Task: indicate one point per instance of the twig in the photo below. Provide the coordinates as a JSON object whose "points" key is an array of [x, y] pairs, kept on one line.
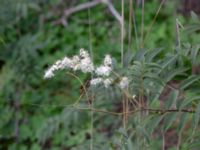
{"points": [[178, 41], [92, 99], [75, 105], [130, 24], [80, 7], [122, 33], [153, 21], [16, 124], [162, 111], [163, 141], [142, 25], [114, 11], [70, 11], [135, 29]]}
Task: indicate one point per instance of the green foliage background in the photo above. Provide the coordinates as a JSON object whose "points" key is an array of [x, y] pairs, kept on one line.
{"points": [[33, 111]]}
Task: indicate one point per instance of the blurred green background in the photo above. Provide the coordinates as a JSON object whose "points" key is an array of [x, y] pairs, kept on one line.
{"points": [[33, 115]]}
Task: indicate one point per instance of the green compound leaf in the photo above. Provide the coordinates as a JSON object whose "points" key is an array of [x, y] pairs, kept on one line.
{"points": [[168, 120], [189, 81]]}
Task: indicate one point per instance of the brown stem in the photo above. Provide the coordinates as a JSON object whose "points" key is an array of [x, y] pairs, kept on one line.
{"points": [[153, 21], [16, 124], [70, 11], [127, 109], [124, 111], [161, 111], [80, 7], [130, 24]]}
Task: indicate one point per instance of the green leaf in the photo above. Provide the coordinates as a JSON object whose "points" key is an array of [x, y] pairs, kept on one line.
{"points": [[140, 54], [167, 61], [123, 132], [197, 116], [152, 54], [172, 99], [195, 145], [173, 73], [35, 147], [144, 133], [193, 28], [153, 66], [128, 57], [153, 123], [194, 16], [168, 120], [182, 122], [26, 132], [194, 53], [129, 144], [188, 101], [154, 78], [2, 40], [187, 82]]}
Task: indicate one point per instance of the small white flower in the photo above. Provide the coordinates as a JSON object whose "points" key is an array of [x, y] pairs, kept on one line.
{"points": [[107, 82], [103, 70], [83, 53], [133, 96], [107, 60], [124, 82], [96, 81], [59, 64], [86, 65], [48, 74], [75, 63], [66, 63]]}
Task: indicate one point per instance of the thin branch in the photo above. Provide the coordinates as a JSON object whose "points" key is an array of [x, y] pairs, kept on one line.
{"points": [[178, 40], [114, 11], [153, 21], [80, 7], [163, 141], [135, 29], [82, 84], [130, 24], [70, 11], [122, 33], [76, 106], [161, 111], [142, 25]]}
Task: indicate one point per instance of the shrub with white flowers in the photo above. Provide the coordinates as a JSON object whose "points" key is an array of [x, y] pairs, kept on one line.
{"points": [[83, 62]]}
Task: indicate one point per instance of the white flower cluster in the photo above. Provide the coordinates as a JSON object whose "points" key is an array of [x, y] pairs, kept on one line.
{"points": [[124, 82], [99, 80], [84, 63], [81, 62], [103, 73], [105, 69]]}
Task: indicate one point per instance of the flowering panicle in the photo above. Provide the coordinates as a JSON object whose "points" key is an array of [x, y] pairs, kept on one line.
{"points": [[83, 62], [60, 64]]}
